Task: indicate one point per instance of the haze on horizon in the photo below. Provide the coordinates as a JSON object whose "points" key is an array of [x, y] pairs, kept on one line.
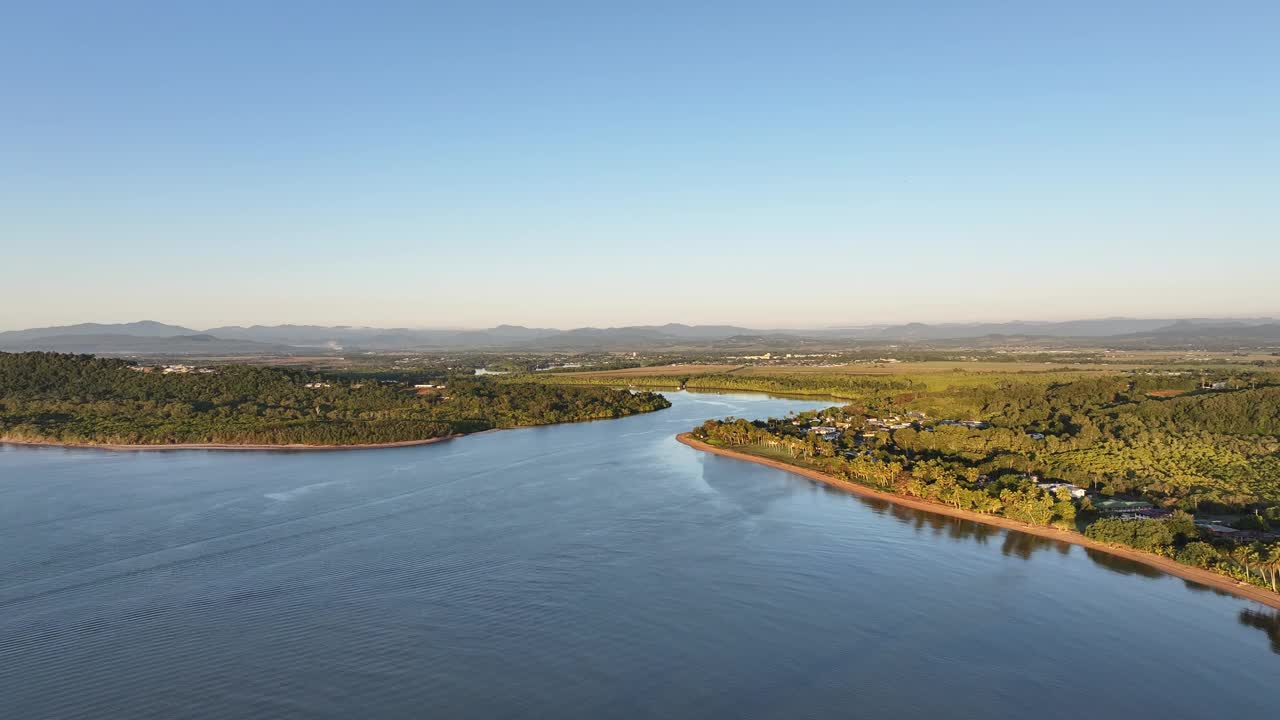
{"points": [[572, 164]]}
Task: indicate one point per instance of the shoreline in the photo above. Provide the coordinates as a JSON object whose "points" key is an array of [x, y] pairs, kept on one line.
{"points": [[1168, 566], [267, 447], [258, 447]]}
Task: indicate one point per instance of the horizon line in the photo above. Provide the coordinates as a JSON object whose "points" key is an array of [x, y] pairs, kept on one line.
{"points": [[829, 327]]}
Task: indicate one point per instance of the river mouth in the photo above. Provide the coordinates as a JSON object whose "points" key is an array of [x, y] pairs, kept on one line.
{"points": [[587, 570]]}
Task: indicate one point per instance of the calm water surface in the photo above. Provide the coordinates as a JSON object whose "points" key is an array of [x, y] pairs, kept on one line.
{"points": [[588, 571]]}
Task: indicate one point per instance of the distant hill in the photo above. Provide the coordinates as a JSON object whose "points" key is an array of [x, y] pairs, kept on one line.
{"points": [[149, 337], [119, 344], [1194, 334], [382, 338], [502, 336], [1105, 327], [144, 328]]}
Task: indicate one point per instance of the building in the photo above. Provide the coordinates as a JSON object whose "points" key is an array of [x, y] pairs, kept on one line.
{"points": [[1120, 507], [826, 432], [1052, 487], [971, 424]]}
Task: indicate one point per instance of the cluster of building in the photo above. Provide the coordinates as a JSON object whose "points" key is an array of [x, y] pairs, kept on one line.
{"points": [[826, 432], [829, 428], [172, 369], [893, 422]]}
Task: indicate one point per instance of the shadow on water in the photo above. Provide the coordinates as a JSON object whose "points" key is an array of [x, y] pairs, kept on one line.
{"points": [[1023, 545], [1015, 544], [1194, 586], [1266, 621], [1123, 566]]}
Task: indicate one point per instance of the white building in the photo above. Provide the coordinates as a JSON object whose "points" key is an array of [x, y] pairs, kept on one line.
{"points": [[1052, 487]]}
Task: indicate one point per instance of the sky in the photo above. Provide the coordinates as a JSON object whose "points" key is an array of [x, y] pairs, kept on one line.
{"points": [[560, 164]]}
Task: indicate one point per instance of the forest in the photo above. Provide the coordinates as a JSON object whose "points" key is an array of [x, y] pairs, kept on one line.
{"points": [[82, 399], [1203, 461]]}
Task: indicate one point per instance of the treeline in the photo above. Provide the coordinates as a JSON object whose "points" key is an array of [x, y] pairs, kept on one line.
{"points": [[51, 397]]}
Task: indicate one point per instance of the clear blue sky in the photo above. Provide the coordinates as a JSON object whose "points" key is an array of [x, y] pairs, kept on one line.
{"points": [[573, 163]]}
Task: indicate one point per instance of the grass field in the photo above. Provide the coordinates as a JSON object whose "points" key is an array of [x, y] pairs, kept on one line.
{"points": [[930, 366], [657, 370]]}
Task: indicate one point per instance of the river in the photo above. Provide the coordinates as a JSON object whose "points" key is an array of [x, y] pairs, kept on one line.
{"points": [[586, 571]]}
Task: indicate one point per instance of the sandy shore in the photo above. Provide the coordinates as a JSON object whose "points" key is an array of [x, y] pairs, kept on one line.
{"points": [[1194, 574], [227, 446]]}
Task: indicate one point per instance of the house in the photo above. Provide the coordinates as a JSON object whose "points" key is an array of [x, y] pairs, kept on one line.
{"points": [[1035, 435], [825, 432], [971, 424], [1052, 487], [317, 385]]}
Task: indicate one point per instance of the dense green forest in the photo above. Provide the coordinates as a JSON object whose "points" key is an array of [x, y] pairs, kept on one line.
{"points": [[50, 397], [1181, 451]]}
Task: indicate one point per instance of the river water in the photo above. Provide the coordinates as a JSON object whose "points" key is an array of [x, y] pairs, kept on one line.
{"points": [[587, 571]]}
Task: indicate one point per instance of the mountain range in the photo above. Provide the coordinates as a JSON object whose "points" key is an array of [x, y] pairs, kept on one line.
{"points": [[149, 337]]}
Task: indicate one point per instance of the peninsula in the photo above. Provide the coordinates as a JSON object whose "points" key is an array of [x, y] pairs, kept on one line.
{"points": [[81, 400]]}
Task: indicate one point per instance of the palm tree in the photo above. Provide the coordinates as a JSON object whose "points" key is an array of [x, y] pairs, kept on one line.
{"points": [[1270, 562], [1243, 556]]}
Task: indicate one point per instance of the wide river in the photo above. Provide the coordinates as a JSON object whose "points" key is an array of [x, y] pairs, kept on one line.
{"points": [[586, 571]]}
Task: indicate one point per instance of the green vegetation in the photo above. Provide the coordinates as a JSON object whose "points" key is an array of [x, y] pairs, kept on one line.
{"points": [[1197, 449], [48, 397], [1044, 448]]}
